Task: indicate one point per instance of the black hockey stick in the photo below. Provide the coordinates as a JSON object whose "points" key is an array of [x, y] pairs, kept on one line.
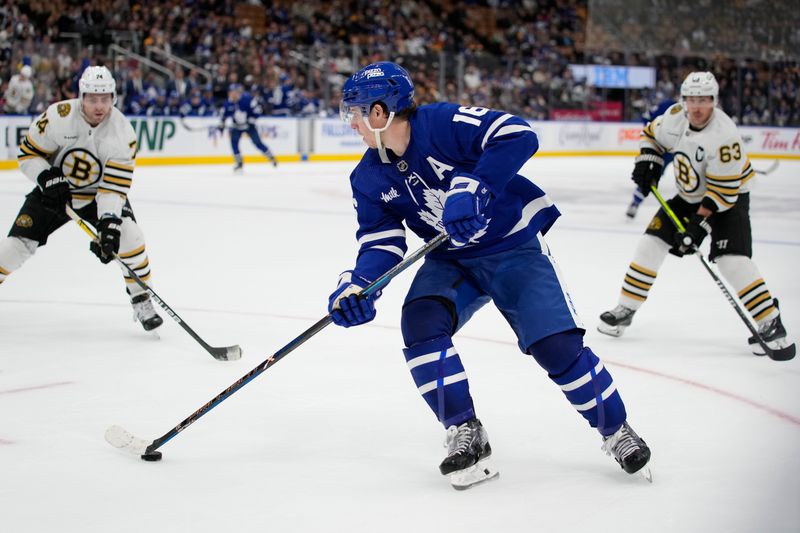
{"points": [[189, 127], [120, 438], [769, 169], [224, 353], [781, 354]]}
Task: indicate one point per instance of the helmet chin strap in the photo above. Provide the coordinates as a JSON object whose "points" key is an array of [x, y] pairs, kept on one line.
{"points": [[377, 133]]}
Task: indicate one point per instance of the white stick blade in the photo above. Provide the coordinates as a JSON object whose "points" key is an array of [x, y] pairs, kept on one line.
{"points": [[234, 353], [120, 438]]}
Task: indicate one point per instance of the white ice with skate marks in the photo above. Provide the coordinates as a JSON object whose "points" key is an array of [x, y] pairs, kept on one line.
{"points": [[338, 427]]}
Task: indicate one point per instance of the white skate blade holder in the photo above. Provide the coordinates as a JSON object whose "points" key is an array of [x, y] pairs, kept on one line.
{"points": [[645, 473], [474, 475], [614, 331]]}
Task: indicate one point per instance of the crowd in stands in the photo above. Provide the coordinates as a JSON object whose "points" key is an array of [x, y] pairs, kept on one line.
{"points": [[512, 55]]}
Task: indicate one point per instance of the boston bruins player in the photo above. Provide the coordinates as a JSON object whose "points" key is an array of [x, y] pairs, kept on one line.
{"points": [[80, 152], [712, 173]]}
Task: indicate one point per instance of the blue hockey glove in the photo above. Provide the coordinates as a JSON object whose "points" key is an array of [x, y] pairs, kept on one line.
{"points": [[464, 206], [346, 307], [688, 242]]}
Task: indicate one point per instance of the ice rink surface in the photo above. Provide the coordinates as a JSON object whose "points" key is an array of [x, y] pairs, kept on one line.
{"points": [[335, 438]]}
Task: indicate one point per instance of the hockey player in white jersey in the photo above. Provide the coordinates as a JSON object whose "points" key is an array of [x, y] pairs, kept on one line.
{"points": [[712, 174], [81, 152]]}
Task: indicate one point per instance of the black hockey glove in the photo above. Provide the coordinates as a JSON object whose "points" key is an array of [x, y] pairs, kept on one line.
{"points": [[688, 242], [55, 188], [647, 170], [107, 244]]}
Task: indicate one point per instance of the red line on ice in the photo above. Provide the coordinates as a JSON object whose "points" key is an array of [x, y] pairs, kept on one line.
{"points": [[36, 387], [780, 414]]}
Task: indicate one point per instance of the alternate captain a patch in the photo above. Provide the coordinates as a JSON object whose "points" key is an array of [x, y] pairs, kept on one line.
{"points": [[63, 109], [24, 221]]}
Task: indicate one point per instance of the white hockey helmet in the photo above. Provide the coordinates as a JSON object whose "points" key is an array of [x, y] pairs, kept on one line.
{"points": [[700, 84], [97, 80]]}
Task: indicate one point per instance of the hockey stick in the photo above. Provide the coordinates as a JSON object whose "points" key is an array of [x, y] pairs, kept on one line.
{"points": [[120, 438], [224, 353], [781, 354], [769, 169], [189, 127]]}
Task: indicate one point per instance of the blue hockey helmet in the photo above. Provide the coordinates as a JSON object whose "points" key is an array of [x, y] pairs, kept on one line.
{"points": [[385, 82]]}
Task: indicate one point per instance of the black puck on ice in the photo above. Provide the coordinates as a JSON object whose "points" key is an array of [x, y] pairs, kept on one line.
{"points": [[152, 456]]}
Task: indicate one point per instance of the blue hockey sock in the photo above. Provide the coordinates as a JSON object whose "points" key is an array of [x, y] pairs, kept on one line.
{"points": [[591, 390], [441, 380]]}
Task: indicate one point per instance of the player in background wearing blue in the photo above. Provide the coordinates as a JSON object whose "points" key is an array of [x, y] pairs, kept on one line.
{"points": [[444, 167], [648, 116], [243, 110]]}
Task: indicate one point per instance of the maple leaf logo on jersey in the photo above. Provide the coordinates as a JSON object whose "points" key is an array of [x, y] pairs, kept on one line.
{"points": [[434, 200]]}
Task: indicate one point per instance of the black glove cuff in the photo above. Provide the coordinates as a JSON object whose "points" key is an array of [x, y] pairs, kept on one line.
{"points": [[709, 204]]}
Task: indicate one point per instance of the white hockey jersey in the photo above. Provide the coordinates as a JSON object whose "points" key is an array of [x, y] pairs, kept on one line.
{"points": [[18, 95], [97, 161], [710, 163]]}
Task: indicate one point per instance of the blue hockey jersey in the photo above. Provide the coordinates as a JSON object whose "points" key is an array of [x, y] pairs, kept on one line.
{"points": [[446, 140], [244, 112]]}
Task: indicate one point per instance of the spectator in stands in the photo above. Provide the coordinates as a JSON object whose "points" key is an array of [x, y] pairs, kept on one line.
{"points": [[19, 94]]}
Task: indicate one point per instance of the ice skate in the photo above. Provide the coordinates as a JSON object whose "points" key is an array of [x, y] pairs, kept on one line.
{"points": [[615, 321], [144, 312], [274, 161], [774, 335], [630, 451], [632, 209], [238, 168], [468, 451]]}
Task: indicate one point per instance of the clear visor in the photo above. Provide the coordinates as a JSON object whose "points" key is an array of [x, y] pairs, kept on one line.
{"points": [[348, 112]]}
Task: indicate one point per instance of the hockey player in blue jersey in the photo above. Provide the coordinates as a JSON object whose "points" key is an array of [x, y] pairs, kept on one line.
{"points": [[445, 167], [243, 111], [649, 116]]}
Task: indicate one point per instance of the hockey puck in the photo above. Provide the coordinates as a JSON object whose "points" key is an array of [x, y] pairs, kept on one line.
{"points": [[153, 456]]}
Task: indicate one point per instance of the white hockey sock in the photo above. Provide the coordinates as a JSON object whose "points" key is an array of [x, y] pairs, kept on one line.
{"points": [[132, 252], [14, 251], [641, 274], [743, 275]]}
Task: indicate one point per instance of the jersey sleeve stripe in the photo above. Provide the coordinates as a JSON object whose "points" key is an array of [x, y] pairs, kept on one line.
{"points": [[119, 166], [120, 175], [36, 147], [391, 249], [496, 124], [370, 237], [32, 148], [132, 253], [125, 182], [530, 211], [512, 128]]}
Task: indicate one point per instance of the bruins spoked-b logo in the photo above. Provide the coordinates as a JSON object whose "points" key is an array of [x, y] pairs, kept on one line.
{"points": [[82, 168], [685, 174]]}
